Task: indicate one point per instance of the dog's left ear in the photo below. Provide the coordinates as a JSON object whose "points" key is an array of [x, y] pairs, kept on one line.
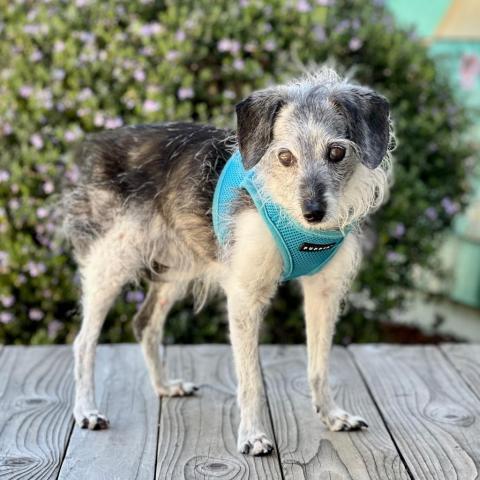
{"points": [[368, 120], [255, 118]]}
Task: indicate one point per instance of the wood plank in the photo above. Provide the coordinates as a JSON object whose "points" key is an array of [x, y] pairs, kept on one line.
{"points": [[127, 450], [307, 449], [428, 408], [466, 359], [36, 390], [197, 436]]}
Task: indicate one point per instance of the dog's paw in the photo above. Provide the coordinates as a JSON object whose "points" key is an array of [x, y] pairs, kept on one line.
{"points": [[339, 420], [176, 388], [92, 420], [254, 444]]}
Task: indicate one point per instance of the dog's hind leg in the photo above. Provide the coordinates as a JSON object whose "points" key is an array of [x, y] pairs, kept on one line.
{"points": [[112, 261], [148, 327], [322, 296]]}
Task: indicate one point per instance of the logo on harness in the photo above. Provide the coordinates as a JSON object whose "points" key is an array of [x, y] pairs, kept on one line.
{"points": [[315, 247]]}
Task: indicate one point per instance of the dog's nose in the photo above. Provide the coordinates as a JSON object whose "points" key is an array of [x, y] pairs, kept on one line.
{"points": [[314, 211]]}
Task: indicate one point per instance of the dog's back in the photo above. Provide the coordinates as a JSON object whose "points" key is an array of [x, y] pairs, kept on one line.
{"points": [[165, 169]]}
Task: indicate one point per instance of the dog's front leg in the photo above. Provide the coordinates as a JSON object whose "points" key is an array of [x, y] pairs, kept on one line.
{"points": [[322, 296], [245, 316], [252, 281]]}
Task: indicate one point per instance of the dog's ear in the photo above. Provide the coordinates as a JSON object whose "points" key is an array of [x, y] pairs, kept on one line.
{"points": [[255, 118], [368, 121]]}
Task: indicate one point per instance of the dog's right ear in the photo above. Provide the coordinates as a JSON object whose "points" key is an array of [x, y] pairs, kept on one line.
{"points": [[255, 118]]}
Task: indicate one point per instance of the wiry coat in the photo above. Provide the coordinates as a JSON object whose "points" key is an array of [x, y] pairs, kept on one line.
{"points": [[143, 207]]}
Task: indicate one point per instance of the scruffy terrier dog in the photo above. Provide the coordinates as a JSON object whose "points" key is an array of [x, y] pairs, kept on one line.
{"points": [[317, 154]]}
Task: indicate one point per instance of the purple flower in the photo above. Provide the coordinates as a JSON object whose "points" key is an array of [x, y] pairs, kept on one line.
{"points": [[58, 74], [324, 3], [42, 212], [34, 29], [229, 94], [319, 33], [36, 268], [139, 75], [342, 26], [54, 327], [35, 314], [150, 29], [399, 230], [303, 6], [25, 91], [6, 317], [394, 257], [7, 128], [451, 208], [36, 56], [238, 64], [99, 119], [48, 187], [355, 44], [85, 94], [14, 204], [250, 47], [71, 135], [180, 36], [113, 122], [172, 55], [129, 103], [184, 93], [151, 106], [135, 296], [58, 46], [269, 45], [37, 141], [7, 300], [147, 51], [228, 45], [86, 37], [4, 175], [431, 213]]}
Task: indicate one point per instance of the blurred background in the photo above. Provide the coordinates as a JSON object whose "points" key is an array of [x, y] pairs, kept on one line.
{"points": [[69, 68]]}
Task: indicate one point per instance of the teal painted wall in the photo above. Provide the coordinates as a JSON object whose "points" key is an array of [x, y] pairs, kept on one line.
{"points": [[424, 15]]}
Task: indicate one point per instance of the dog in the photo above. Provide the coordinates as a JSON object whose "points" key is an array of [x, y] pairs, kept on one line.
{"points": [[320, 149]]}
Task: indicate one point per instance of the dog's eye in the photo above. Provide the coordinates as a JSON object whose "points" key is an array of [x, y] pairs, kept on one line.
{"points": [[286, 158], [336, 154]]}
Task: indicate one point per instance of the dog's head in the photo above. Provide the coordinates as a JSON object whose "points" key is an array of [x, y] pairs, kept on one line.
{"points": [[320, 146]]}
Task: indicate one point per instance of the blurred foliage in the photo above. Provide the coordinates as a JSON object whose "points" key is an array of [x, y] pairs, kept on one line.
{"points": [[68, 68]]}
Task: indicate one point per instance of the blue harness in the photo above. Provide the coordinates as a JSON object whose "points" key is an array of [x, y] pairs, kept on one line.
{"points": [[304, 251]]}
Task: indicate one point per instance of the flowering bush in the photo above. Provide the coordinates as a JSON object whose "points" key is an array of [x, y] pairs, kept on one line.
{"points": [[69, 68]]}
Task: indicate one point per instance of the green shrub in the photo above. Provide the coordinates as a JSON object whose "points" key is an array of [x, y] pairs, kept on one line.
{"points": [[68, 68]]}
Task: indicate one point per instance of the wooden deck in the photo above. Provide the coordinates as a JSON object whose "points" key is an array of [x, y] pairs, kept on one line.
{"points": [[422, 405]]}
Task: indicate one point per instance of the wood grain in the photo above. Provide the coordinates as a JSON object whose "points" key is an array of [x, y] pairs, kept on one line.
{"points": [[36, 388], [127, 450], [198, 434], [466, 359], [307, 449], [428, 408]]}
